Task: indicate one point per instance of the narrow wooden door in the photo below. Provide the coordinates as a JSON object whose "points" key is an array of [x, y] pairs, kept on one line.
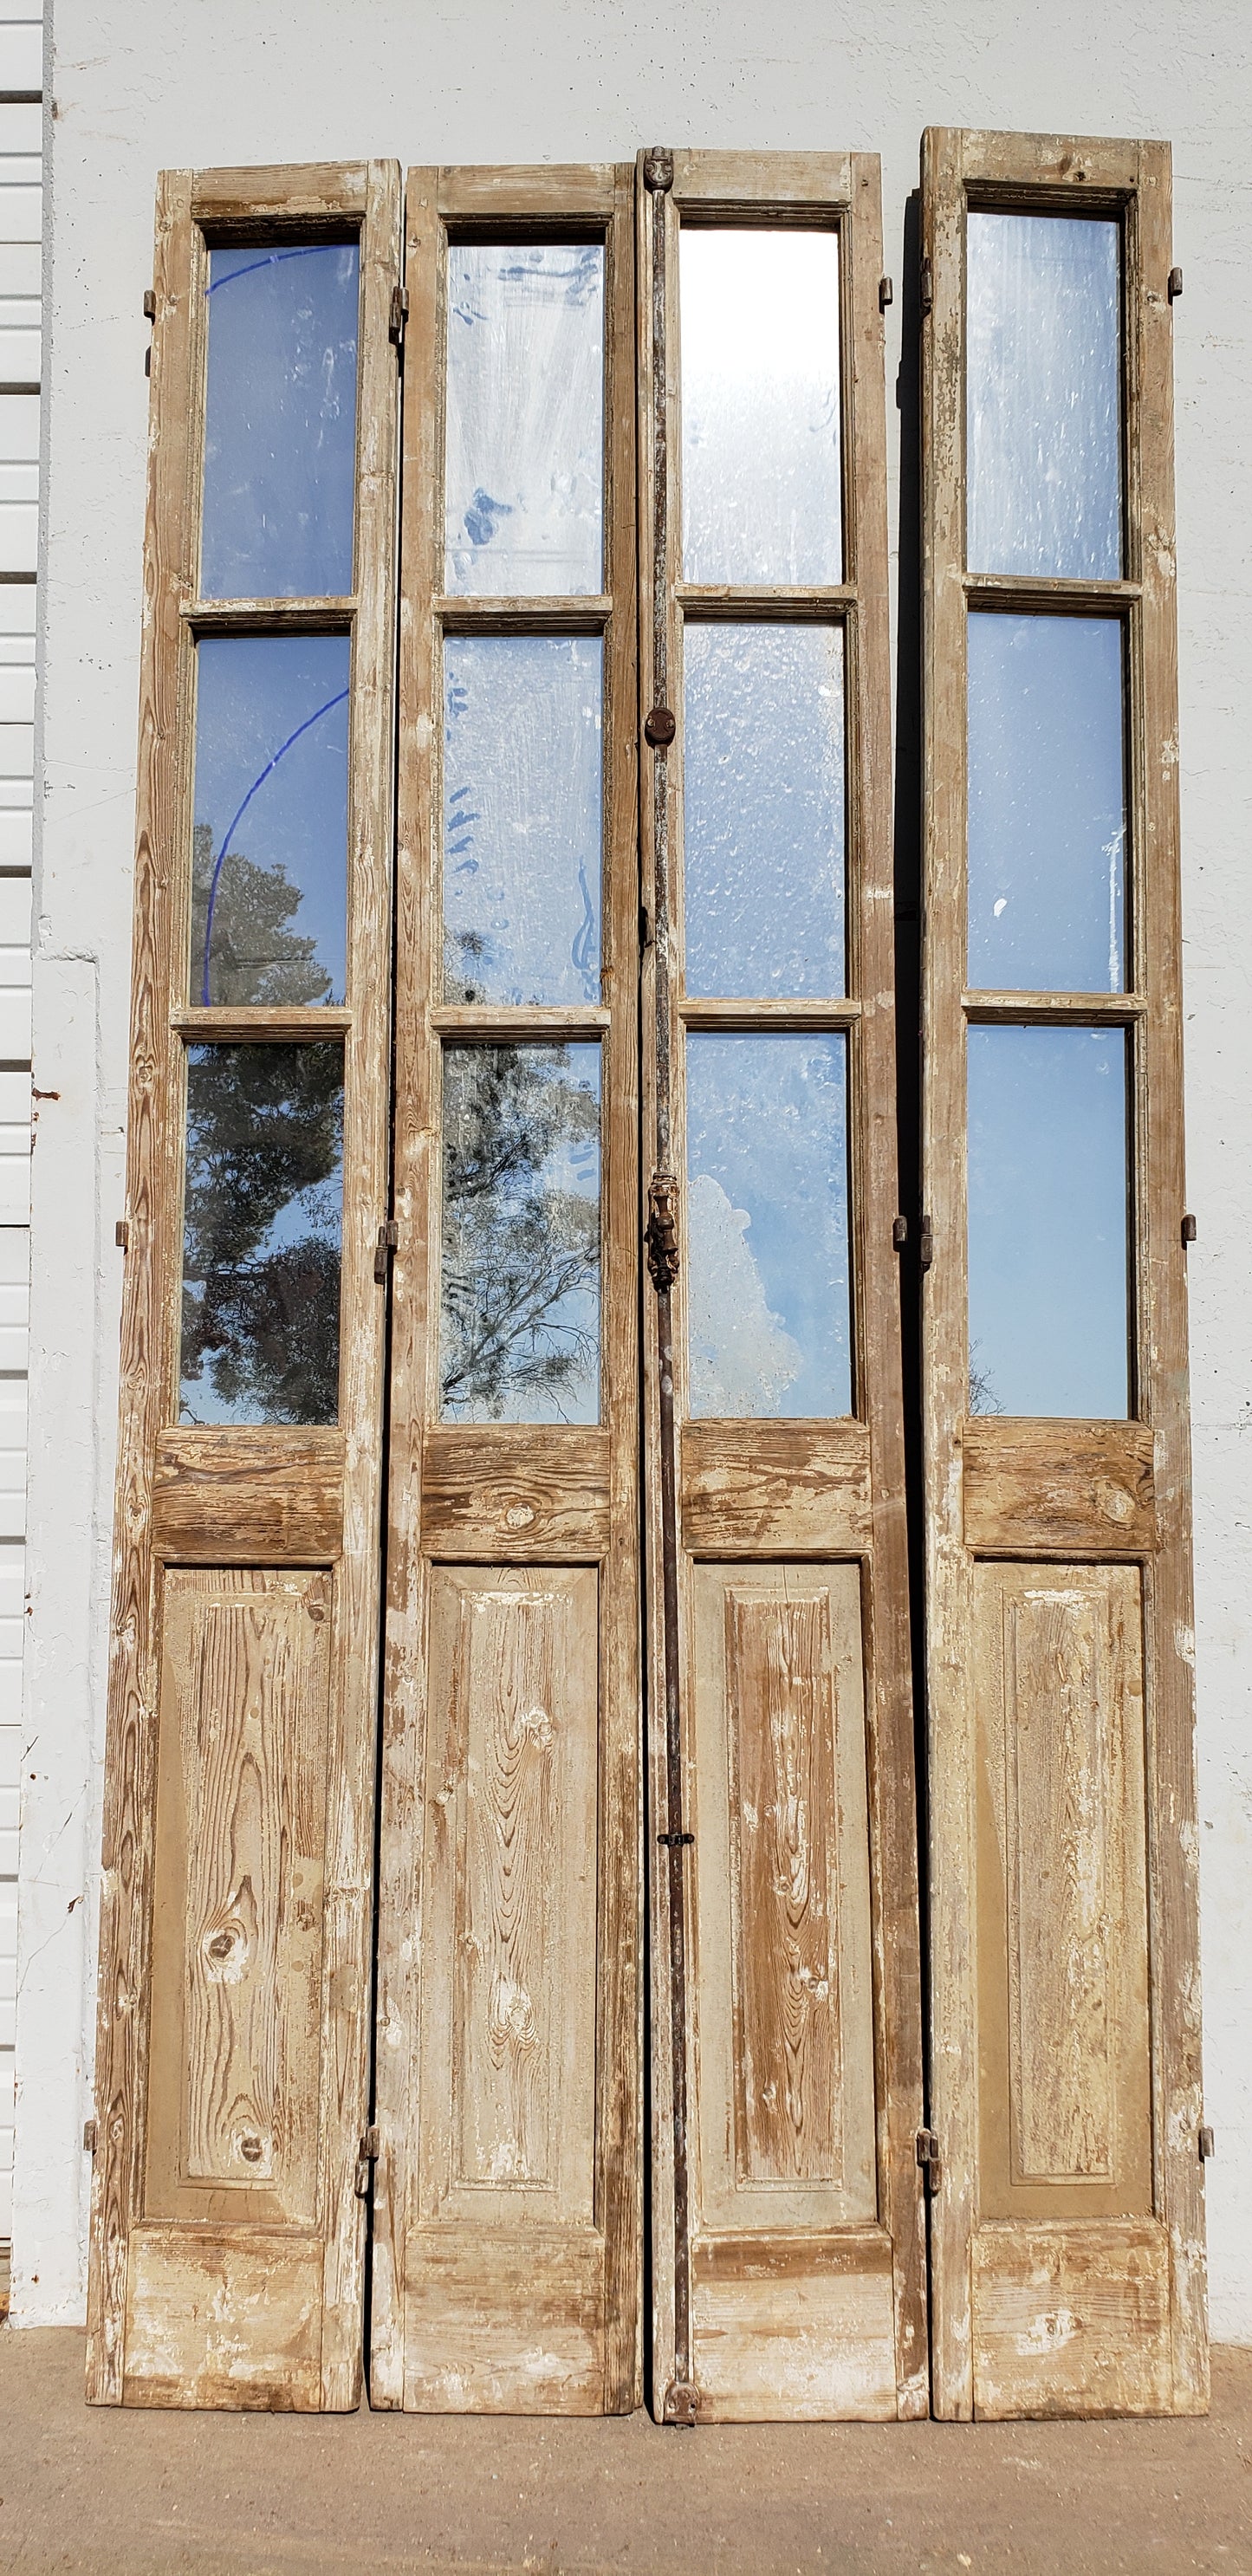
{"points": [[227, 2236], [509, 2179], [788, 2241], [1067, 2230]]}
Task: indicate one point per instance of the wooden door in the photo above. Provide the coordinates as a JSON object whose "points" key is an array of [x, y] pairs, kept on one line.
{"points": [[1067, 2229], [227, 2237], [509, 2174], [788, 2238]]}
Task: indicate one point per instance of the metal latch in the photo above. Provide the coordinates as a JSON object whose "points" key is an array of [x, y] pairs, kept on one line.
{"points": [[674, 1841], [368, 2154], [388, 1238], [928, 2158], [661, 1233], [399, 313]]}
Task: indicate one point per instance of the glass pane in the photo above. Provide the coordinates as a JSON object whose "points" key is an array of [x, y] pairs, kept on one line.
{"points": [[520, 1330], [261, 1229], [1048, 1329], [521, 863], [769, 1325], [524, 477], [762, 492], [270, 848], [1043, 395], [1047, 805], [280, 422], [763, 810]]}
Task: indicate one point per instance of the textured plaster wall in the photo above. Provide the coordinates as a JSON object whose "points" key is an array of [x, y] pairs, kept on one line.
{"points": [[142, 83]]}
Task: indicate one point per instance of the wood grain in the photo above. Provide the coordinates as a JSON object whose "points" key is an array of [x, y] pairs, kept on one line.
{"points": [[765, 1487], [237, 1948], [240, 1497], [1059, 1488], [1072, 2320], [488, 1493]]}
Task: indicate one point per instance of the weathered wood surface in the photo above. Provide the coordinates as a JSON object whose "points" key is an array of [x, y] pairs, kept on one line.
{"points": [[489, 1492], [1058, 1488], [1100, 1493], [230, 1500], [246, 1498], [1072, 2320], [766, 1487], [225, 2316]]}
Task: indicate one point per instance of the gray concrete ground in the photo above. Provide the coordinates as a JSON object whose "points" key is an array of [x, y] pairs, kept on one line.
{"points": [[136, 2494]]}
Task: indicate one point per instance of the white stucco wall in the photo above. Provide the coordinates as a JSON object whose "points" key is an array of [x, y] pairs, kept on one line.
{"points": [[141, 83]]}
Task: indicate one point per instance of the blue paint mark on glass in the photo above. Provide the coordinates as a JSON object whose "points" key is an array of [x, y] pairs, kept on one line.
{"points": [[1048, 1232], [280, 423], [1047, 805], [768, 1303], [1043, 395], [763, 830], [269, 860], [522, 818], [524, 464]]}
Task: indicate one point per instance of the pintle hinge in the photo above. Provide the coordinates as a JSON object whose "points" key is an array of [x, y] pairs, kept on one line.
{"points": [[928, 2157], [658, 169], [399, 314], [388, 1238]]}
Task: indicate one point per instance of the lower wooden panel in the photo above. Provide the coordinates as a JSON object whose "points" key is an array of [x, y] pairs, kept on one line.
{"points": [[225, 2317], [505, 2267], [1072, 2320], [235, 2066], [794, 2330]]}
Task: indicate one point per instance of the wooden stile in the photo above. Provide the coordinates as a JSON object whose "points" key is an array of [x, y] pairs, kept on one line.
{"points": [[1067, 2232], [227, 2241]]}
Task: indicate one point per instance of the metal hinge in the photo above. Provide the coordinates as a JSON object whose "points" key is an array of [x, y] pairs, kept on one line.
{"points": [[368, 2154], [928, 2158], [1188, 1229], [926, 287], [1174, 285], [121, 1234], [388, 1238], [886, 293], [90, 2137], [149, 304], [899, 1233], [1205, 2143], [399, 313], [926, 1245], [672, 1841]]}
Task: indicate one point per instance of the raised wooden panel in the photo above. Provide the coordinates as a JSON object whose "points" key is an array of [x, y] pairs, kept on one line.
{"points": [[248, 1497], [237, 1935], [798, 1488], [506, 2320], [1072, 2320], [782, 1939], [1059, 1487], [1064, 2069], [508, 2059], [489, 1492]]}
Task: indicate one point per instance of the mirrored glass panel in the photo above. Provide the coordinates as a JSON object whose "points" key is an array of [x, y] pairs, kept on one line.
{"points": [[769, 1319], [761, 477], [270, 846], [520, 1323], [1047, 805], [1048, 1250], [524, 472], [763, 828], [261, 1232], [522, 833], [1043, 395], [280, 421]]}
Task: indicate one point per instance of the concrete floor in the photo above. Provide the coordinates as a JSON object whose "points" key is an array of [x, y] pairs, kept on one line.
{"points": [[136, 2494]]}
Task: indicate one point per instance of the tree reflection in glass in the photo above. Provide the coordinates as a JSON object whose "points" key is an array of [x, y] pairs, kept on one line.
{"points": [[520, 1329], [261, 1234]]}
